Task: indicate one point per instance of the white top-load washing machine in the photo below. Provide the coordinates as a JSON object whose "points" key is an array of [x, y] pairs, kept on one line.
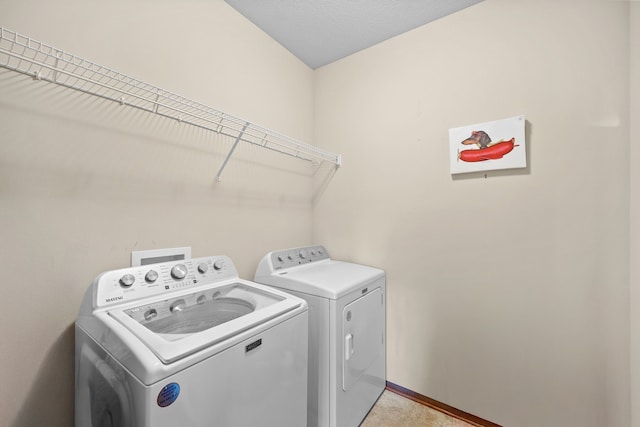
{"points": [[188, 343], [346, 330]]}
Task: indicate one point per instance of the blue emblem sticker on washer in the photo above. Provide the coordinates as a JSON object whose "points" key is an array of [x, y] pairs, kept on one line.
{"points": [[168, 395]]}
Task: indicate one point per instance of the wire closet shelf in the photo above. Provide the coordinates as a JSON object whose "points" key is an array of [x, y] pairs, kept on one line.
{"points": [[44, 62]]}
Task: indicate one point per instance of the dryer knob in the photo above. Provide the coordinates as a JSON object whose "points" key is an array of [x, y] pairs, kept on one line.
{"points": [[218, 265], [203, 267], [179, 271], [127, 280], [303, 254]]}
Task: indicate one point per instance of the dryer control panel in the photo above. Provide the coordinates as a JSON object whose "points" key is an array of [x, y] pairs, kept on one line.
{"points": [[132, 283], [297, 256]]}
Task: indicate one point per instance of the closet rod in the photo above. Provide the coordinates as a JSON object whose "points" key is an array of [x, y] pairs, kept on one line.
{"points": [[25, 55]]}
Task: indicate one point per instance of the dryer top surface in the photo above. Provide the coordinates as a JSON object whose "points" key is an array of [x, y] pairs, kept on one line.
{"points": [[328, 279]]}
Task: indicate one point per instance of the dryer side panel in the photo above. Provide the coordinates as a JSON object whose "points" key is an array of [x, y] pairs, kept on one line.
{"points": [[363, 335], [360, 359]]}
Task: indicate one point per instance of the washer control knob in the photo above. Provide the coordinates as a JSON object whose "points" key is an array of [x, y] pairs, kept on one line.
{"points": [[127, 280], [280, 258], [303, 254], [218, 265], [151, 276], [179, 271], [290, 257], [203, 267]]}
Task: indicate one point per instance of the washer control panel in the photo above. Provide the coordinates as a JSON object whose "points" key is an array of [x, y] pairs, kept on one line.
{"points": [[132, 283], [297, 256]]}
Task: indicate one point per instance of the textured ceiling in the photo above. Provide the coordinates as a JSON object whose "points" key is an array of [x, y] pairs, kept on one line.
{"points": [[322, 31]]}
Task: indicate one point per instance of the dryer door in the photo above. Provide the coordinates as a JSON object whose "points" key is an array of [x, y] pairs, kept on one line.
{"points": [[363, 335]]}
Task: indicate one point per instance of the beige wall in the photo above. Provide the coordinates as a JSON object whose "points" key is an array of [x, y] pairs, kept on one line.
{"points": [[508, 296], [83, 182], [634, 160]]}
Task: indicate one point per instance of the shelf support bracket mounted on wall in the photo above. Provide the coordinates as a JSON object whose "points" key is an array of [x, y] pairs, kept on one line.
{"points": [[235, 144]]}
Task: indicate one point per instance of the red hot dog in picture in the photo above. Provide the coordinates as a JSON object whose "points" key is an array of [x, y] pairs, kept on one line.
{"points": [[491, 152]]}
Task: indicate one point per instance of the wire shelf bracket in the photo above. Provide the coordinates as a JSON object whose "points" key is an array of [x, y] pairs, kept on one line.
{"points": [[41, 61]]}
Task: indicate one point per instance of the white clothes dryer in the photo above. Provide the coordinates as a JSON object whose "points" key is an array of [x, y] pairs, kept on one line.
{"points": [[347, 358], [188, 343]]}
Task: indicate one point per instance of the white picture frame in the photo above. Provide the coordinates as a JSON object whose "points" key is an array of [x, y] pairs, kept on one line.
{"points": [[488, 146]]}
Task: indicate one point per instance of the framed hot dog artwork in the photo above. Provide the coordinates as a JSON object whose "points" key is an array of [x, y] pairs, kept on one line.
{"points": [[488, 146]]}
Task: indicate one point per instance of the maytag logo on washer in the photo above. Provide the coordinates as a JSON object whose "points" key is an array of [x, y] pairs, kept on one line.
{"points": [[114, 299], [253, 345]]}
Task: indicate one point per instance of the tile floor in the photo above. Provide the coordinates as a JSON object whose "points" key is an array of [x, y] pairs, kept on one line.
{"points": [[393, 410]]}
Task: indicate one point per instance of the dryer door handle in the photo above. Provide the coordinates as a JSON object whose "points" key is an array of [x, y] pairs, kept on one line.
{"points": [[348, 346]]}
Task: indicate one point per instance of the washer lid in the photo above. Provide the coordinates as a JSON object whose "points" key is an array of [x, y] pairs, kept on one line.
{"points": [[176, 327], [329, 279]]}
